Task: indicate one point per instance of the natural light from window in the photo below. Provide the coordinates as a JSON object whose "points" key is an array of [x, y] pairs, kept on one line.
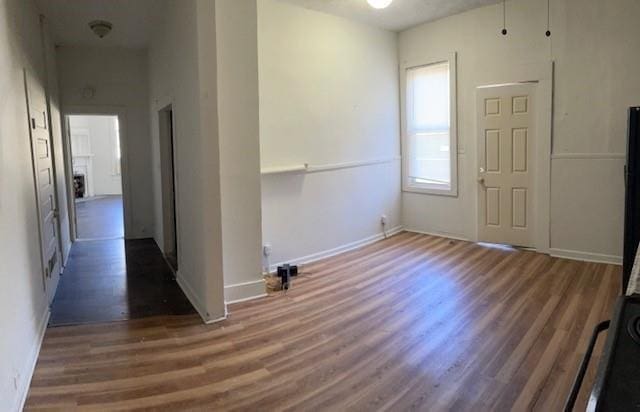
{"points": [[428, 126], [118, 155]]}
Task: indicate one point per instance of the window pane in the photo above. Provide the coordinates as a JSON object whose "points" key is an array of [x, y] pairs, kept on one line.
{"points": [[430, 159], [428, 121]]}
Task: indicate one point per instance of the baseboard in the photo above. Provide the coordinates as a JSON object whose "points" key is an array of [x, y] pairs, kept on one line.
{"points": [[439, 234], [561, 253], [337, 250], [32, 361], [199, 306], [241, 292], [586, 256]]}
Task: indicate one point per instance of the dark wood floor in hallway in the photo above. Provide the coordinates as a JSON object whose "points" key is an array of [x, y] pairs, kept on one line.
{"points": [[100, 217], [116, 279], [411, 322]]}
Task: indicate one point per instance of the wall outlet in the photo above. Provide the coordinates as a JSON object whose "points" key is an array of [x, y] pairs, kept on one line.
{"points": [[266, 249], [383, 220]]}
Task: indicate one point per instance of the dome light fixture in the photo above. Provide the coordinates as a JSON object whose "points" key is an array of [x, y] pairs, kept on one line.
{"points": [[379, 4], [100, 27]]}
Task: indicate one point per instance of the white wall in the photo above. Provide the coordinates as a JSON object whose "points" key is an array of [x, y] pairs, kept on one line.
{"points": [[23, 302], [102, 138], [237, 59], [595, 48], [182, 64], [328, 96], [120, 80]]}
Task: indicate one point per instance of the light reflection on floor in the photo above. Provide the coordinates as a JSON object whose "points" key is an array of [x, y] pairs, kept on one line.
{"points": [[499, 246]]}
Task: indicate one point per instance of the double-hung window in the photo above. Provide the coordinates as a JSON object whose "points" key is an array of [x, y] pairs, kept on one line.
{"points": [[429, 135]]}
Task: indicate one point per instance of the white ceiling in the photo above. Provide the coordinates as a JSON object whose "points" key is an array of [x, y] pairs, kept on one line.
{"points": [[132, 20], [400, 15]]}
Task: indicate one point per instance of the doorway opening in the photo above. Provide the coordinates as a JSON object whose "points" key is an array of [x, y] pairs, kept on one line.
{"points": [[168, 180], [97, 176]]}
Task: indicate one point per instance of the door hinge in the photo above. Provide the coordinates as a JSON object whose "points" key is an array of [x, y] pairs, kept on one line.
{"points": [[33, 123]]}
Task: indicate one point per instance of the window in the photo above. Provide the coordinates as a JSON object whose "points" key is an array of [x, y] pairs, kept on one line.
{"points": [[429, 147]]}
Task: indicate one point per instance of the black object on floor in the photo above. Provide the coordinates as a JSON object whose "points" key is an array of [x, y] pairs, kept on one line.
{"points": [[116, 279]]}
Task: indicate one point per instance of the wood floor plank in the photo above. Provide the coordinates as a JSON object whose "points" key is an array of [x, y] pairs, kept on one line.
{"points": [[413, 322]]}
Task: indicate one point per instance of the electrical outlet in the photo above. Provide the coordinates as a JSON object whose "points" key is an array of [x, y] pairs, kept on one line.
{"points": [[266, 249], [383, 220]]}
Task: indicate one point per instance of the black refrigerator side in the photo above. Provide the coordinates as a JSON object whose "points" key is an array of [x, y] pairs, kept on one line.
{"points": [[632, 196]]}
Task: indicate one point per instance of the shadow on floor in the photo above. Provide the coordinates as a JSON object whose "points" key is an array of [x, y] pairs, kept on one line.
{"points": [[116, 279]]}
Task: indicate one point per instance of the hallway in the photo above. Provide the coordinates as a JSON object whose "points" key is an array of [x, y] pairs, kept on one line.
{"points": [[116, 279], [100, 217]]}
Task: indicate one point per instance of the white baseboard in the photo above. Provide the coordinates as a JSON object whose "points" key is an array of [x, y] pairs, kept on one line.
{"points": [[586, 256], [30, 368], [241, 292], [337, 250], [561, 253], [440, 234], [199, 306]]}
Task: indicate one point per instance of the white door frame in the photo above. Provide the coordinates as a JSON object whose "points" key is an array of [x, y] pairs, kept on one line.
{"points": [[91, 110], [159, 105], [542, 75]]}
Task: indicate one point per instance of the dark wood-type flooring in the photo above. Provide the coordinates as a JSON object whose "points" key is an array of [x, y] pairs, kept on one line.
{"points": [[110, 280], [100, 217], [414, 322]]}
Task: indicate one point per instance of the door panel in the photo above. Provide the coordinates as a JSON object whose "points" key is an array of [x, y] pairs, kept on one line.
{"points": [[492, 149], [505, 179], [44, 182], [493, 206]]}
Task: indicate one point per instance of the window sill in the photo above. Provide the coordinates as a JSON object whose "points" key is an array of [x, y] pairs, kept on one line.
{"points": [[430, 191]]}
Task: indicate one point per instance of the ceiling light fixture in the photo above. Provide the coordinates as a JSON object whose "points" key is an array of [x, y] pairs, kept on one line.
{"points": [[379, 4], [100, 27]]}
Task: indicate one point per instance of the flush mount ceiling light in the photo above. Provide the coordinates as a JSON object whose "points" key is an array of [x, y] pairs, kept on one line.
{"points": [[100, 27], [379, 4]]}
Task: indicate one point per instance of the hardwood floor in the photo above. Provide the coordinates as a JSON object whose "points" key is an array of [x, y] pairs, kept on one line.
{"points": [[413, 322], [116, 279], [100, 217]]}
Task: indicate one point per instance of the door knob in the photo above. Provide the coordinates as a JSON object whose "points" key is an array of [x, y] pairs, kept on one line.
{"points": [[481, 180]]}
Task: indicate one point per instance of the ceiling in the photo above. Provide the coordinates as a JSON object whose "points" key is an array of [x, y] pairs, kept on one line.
{"points": [[400, 15], [133, 21]]}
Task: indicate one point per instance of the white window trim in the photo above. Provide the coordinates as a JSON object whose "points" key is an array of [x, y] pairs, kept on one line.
{"points": [[407, 186]]}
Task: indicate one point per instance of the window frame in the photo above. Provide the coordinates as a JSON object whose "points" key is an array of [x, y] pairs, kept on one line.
{"points": [[426, 188]]}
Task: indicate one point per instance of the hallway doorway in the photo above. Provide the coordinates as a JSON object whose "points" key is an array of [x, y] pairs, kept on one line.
{"points": [[168, 175], [96, 162]]}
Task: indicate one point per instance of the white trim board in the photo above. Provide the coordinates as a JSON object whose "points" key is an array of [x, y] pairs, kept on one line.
{"points": [[241, 292], [555, 252], [588, 156], [440, 234], [337, 250], [23, 389], [586, 256], [310, 168]]}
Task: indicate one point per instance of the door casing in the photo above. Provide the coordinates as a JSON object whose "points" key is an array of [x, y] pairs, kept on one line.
{"points": [[503, 175], [90, 110], [541, 74]]}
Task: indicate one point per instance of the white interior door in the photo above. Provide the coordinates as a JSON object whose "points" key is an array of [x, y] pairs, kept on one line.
{"points": [[505, 158], [44, 179]]}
